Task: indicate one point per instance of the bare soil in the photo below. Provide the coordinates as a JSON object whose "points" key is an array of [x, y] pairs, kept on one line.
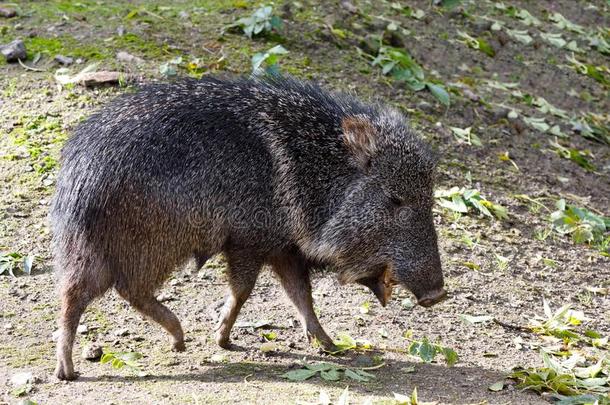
{"points": [[37, 115]]}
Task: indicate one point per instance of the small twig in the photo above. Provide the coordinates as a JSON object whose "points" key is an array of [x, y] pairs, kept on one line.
{"points": [[372, 367], [581, 200], [249, 383], [532, 200], [152, 14], [510, 326], [28, 67]]}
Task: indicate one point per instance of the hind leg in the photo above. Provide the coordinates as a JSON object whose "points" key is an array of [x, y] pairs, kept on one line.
{"points": [[294, 277], [242, 272], [146, 303], [75, 296]]}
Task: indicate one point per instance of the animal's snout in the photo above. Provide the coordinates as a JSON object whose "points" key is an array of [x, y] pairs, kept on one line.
{"points": [[433, 298]]}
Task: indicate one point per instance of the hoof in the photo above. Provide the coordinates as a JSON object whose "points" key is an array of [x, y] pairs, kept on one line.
{"points": [[329, 348], [322, 341], [178, 346], [62, 374], [223, 341]]}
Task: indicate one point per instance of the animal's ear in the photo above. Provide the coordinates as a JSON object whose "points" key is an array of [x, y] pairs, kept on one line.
{"points": [[360, 138]]}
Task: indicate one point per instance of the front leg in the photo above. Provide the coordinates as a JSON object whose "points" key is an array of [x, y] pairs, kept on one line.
{"points": [[293, 273]]}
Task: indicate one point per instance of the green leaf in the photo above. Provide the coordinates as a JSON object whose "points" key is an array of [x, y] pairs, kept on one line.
{"points": [[449, 4], [439, 93], [473, 320], [345, 342], [451, 357], [130, 356], [497, 386], [537, 123], [331, 375], [456, 204], [276, 22], [426, 351], [582, 235], [319, 366], [554, 39], [117, 363], [520, 36], [486, 48], [358, 375], [301, 374], [269, 336]]}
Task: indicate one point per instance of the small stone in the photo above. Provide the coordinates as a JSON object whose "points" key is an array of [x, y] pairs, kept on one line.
{"points": [[363, 361], [64, 60], [184, 15], [55, 335], [92, 352], [14, 51], [165, 296], [21, 379], [121, 332], [92, 79], [82, 329], [470, 95], [349, 6], [120, 31], [7, 12], [8, 326], [129, 58], [503, 38]]}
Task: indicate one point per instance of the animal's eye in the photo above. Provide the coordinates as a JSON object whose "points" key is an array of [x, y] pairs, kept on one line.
{"points": [[396, 202]]}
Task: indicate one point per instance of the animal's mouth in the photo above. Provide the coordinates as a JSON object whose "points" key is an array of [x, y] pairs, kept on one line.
{"points": [[433, 298], [381, 285]]}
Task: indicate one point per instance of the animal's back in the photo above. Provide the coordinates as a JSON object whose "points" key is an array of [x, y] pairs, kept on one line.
{"points": [[181, 149]]}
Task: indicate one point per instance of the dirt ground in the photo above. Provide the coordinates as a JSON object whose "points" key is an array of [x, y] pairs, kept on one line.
{"points": [[324, 43]]}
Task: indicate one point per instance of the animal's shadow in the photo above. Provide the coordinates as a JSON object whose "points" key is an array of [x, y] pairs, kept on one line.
{"points": [[434, 382]]}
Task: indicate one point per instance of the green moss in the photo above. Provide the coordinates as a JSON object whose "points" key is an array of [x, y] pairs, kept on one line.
{"points": [[31, 355], [131, 42], [65, 45]]}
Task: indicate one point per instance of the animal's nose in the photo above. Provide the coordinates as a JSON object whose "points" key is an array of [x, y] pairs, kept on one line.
{"points": [[433, 298]]}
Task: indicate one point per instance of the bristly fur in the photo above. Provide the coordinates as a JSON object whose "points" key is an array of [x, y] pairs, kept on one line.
{"points": [[259, 168]]}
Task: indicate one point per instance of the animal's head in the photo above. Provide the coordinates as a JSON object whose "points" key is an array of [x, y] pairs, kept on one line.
{"points": [[382, 232]]}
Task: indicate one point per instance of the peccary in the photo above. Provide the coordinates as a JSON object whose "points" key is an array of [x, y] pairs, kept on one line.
{"points": [[265, 170]]}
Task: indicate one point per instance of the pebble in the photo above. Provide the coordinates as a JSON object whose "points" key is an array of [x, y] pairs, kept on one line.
{"points": [[129, 58], [363, 361], [121, 332], [64, 60], [349, 6], [14, 51], [165, 296], [82, 329], [92, 352]]}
